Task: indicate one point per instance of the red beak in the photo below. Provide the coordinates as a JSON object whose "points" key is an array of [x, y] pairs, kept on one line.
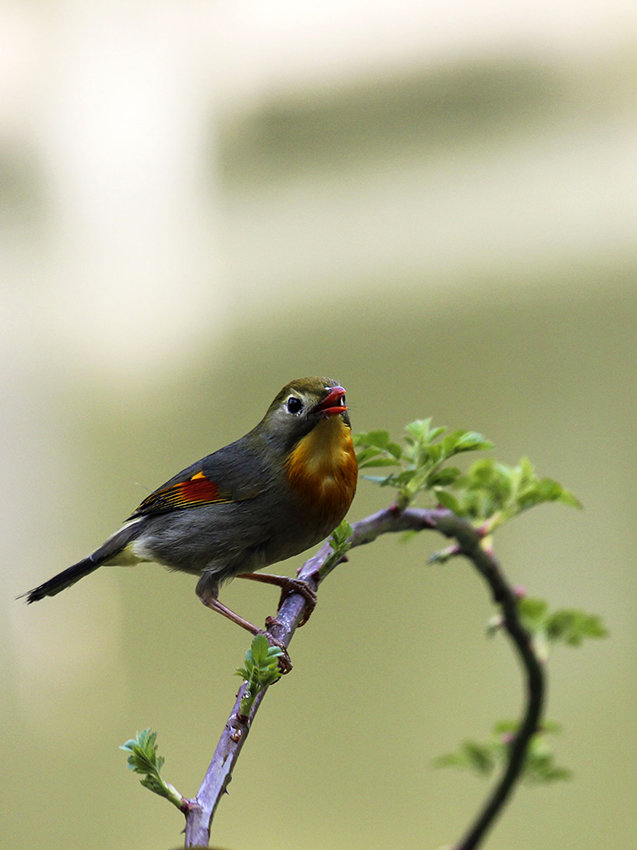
{"points": [[333, 403]]}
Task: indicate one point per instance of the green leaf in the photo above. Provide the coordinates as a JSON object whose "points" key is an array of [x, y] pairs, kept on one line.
{"points": [[375, 461], [395, 450], [143, 756], [143, 759], [480, 757], [261, 670], [259, 649], [420, 431], [532, 611], [443, 477], [464, 441], [447, 500], [380, 439], [567, 626], [571, 626], [340, 539], [472, 441], [484, 757]]}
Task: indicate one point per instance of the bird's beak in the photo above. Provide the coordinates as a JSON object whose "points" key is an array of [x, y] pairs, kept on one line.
{"points": [[333, 403]]}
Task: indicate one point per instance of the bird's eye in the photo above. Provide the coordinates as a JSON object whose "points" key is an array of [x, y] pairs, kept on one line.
{"points": [[294, 404]]}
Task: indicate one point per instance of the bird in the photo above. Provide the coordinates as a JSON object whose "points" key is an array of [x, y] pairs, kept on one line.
{"points": [[275, 492]]}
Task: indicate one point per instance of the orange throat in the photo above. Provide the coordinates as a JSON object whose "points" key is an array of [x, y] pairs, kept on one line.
{"points": [[322, 469]]}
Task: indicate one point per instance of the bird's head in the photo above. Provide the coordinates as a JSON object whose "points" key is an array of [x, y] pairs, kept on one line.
{"points": [[302, 405]]}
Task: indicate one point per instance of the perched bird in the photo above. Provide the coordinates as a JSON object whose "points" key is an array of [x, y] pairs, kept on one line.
{"points": [[278, 490]]}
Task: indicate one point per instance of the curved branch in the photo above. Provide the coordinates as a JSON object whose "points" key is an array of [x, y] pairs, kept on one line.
{"points": [[470, 543], [485, 562]]}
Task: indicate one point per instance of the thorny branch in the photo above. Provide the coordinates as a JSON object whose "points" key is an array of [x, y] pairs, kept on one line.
{"points": [[468, 542]]}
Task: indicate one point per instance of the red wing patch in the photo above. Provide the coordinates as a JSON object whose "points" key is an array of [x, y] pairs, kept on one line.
{"points": [[192, 493]]}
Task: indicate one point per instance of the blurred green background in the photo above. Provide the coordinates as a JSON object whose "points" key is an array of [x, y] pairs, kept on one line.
{"points": [[435, 205]]}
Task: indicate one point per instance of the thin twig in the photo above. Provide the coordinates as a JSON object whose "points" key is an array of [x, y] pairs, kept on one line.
{"points": [[470, 544]]}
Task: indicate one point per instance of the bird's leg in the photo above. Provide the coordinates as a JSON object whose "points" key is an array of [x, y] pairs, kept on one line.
{"points": [[288, 586], [215, 605]]}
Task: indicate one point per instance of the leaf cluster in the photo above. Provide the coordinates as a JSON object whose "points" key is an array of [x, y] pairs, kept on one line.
{"points": [[261, 670], [340, 540], [483, 757], [488, 492], [548, 629], [143, 758], [494, 492], [421, 458]]}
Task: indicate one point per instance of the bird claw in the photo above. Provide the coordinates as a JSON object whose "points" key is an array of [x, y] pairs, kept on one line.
{"points": [[288, 586], [285, 664], [297, 585]]}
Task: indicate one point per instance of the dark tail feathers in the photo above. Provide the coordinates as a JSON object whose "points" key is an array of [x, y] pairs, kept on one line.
{"points": [[67, 577], [64, 579]]}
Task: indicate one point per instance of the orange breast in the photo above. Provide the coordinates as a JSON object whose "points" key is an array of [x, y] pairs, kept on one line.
{"points": [[323, 472]]}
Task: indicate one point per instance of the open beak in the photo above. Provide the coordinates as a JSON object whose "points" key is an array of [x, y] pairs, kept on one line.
{"points": [[333, 403]]}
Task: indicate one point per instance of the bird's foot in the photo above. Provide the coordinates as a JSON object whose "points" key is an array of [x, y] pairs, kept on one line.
{"points": [[297, 585], [288, 586], [285, 664]]}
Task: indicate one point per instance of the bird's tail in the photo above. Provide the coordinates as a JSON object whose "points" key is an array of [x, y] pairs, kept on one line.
{"points": [[106, 553], [64, 579]]}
